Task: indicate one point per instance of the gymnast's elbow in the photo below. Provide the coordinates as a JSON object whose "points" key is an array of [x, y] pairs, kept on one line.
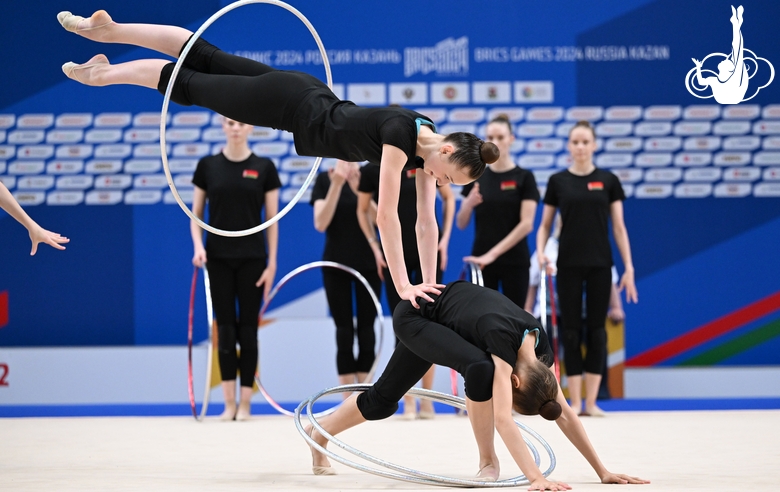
{"points": [[426, 223], [385, 218], [503, 422]]}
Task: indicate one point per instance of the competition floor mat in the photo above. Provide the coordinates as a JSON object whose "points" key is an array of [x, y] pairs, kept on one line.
{"points": [[715, 450]]}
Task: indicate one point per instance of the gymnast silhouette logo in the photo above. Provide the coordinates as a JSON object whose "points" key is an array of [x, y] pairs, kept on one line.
{"points": [[730, 83]]}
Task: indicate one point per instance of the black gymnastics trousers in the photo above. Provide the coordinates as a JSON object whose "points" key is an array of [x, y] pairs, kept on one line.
{"points": [[422, 343], [211, 78]]}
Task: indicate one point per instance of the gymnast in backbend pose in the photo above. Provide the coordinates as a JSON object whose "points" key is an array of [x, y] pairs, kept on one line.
{"points": [[504, 359], [322, 125]]}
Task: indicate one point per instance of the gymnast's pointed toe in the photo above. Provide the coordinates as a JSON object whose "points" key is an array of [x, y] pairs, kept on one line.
{"points": [[79, 24], [323, 470], [68, 68], [69, 21], [84, 73]]}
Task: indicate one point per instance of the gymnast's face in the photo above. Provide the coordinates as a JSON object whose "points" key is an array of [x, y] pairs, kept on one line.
{"points": [[235, 131], [499, 134], [439, 167], [582, 144]]}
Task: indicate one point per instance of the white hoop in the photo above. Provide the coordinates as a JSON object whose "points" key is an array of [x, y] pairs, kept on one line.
{"points": [[379, 314], [167, 99], [209, 347], [409, 474], [472, 273]]}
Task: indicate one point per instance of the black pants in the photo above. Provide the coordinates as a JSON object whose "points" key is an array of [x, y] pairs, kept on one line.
{"points": [[233, 280], [339, 288], [513, 279], [597, 283], [239, 88], [423, 343]]}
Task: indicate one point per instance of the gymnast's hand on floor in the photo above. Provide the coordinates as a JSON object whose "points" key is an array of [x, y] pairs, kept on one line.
{"points": [[544, 484], [622, 479], [412, 292]]}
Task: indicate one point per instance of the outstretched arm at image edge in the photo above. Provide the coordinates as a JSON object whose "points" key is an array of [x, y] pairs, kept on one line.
{"points": [[37, 233]]}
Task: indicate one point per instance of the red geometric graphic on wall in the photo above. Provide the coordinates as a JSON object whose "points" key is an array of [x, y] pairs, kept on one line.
{"points": [[3, 308]]}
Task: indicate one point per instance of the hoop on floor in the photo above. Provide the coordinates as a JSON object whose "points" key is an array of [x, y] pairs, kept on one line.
{"points": [[167, 99], [210, 346], [546, 288], [379, 314], [404, 473]]}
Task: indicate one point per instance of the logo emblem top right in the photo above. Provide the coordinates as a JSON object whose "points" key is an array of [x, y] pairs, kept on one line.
{"points": [[731, 83]]}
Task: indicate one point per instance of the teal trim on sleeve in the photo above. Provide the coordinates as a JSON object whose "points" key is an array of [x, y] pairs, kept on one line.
{"points": [[529, 331], [419, 122]]}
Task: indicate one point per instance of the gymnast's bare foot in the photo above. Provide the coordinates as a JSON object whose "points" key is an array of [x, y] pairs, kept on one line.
{"points": [[97, 27], [244, 412], [320, 465], [488, 472], [88, 73], [229, 413]]}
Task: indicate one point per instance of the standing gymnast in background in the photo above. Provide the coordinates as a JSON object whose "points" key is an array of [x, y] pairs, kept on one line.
{"points": [[322, 125], [37, 233], [237, 185], [503, 201], [505, 360], [588, 199], [334, 198]]}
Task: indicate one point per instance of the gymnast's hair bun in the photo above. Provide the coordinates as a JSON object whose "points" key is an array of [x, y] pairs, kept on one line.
{"points": [[489, 152], [550, 410]]}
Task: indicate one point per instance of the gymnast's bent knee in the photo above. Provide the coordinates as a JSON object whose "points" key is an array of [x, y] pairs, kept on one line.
{"points": [[478, 380], [374, 407]]}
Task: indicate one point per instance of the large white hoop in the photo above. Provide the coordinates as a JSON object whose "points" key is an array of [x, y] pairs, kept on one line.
{"points": [[167, 99], [404, 473]]}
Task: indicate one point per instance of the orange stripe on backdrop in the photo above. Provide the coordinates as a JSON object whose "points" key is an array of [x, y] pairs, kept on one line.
{"points": [[707, 332], [616, 344]]}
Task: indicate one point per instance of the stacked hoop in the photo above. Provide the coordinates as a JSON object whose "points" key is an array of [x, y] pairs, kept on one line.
{"points": [[404, 473]]}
